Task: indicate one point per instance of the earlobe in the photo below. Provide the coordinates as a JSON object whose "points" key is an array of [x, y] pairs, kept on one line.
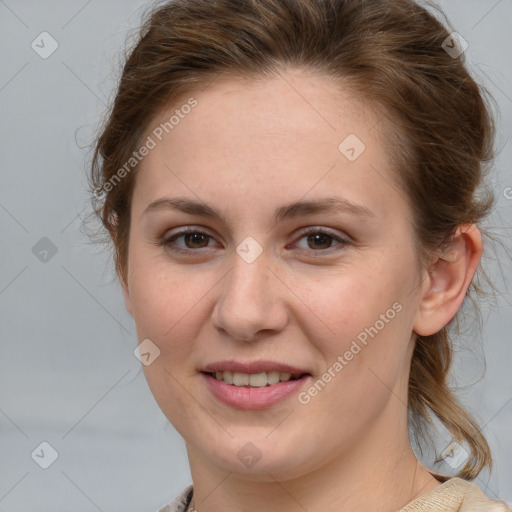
{"points": [[447, 282], [127, 299]]}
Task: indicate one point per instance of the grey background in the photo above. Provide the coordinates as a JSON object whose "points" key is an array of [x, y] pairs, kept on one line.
{"points": [[68, 375]]}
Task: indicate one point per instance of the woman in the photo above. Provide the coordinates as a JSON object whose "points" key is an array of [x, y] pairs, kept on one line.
{"points": [[290, 189]]}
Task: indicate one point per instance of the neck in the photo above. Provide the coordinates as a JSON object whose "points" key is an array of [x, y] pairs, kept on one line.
{"points": [[354, 480]]}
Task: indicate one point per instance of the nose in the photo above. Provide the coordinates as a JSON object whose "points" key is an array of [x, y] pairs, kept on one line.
{"points": [[251, 301]]}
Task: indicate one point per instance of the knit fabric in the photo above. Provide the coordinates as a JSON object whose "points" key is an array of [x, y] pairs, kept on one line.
{"points": [[454, 495]]}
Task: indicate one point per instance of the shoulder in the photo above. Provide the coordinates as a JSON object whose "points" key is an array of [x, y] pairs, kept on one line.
{"points": [[475, 500], [181, 502], [456, 495]]}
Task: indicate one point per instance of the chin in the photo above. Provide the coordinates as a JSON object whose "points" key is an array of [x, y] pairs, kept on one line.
{"points": [[260, 459]]}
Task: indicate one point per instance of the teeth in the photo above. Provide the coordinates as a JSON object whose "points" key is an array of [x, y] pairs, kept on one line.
{"points": [[257, 380], [273, 377], [285, 376], [240, 379]]}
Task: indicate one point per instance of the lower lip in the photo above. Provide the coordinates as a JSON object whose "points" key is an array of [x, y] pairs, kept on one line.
{"points": [[242, 397]]}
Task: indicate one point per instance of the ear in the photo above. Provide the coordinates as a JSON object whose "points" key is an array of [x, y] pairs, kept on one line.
{"points": [[127, 298], [447, 281]]}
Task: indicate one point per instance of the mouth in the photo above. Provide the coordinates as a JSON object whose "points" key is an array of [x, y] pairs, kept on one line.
{"points": [[249, 386], [255, 380]]}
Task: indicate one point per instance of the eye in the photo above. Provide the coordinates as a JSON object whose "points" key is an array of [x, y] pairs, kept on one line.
{"points": [[319, 239], [192, 239]]}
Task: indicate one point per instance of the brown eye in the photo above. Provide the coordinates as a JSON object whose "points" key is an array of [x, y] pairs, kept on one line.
{"points": [[322, 239], [193, 240], [318, 240]]}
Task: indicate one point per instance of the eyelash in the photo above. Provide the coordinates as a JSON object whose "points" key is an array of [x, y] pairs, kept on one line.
{"points": [[167, 242]]}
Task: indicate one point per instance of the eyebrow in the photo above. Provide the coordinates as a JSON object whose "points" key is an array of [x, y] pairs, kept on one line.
{"points": [[292, 210]]}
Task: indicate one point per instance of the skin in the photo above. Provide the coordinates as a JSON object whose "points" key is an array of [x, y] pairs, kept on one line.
{"points": [[249, 147]]}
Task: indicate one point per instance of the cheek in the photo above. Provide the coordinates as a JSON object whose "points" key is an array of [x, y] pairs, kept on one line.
{"points": [[361, 324], [364, 363], [346, 304], [173, 395], [166, 308], [163, 295]]}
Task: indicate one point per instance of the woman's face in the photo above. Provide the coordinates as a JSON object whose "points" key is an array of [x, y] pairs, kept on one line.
{"points": [[252, 288]]}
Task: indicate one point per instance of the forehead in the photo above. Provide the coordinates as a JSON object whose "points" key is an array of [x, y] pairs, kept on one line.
{"points": [[295, 134], [285, 105]]}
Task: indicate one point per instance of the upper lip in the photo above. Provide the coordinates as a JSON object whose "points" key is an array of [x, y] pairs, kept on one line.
{"points": [[252, 367]]}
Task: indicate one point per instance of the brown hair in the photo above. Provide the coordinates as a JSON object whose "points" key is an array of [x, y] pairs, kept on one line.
{"points": [[389, 51]]}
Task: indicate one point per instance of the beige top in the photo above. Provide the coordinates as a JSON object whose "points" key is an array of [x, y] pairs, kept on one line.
{"points": [[454, 495]]}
